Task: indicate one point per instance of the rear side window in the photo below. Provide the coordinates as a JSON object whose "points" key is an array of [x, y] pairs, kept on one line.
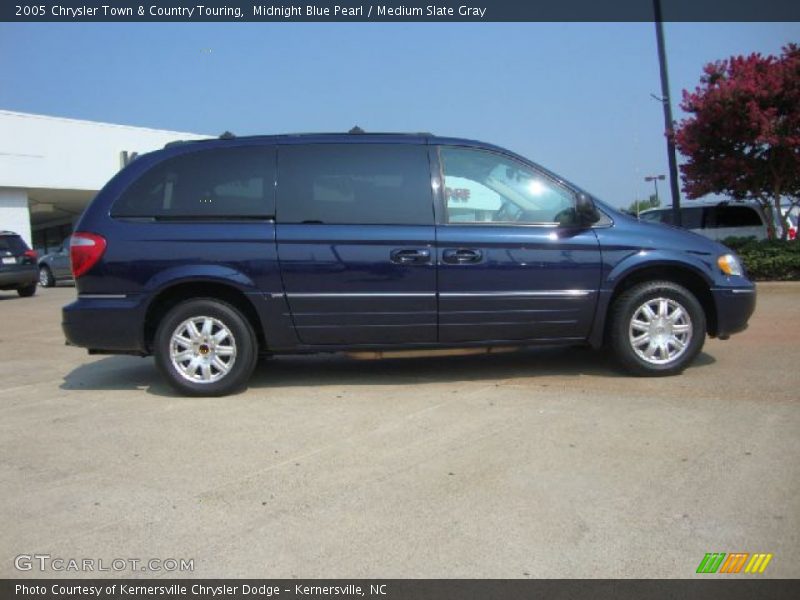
{"points": [[692, 218], [733, 216], [208, 184], [13, 244], [354, 184]]}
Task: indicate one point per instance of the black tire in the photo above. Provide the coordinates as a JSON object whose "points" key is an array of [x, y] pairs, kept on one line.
{"points": [[240, 336], [46, 278], [631, 303], [27, 291]]}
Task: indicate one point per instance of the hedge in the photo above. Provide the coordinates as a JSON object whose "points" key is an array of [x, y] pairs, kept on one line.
{"points": [[767, 259]]}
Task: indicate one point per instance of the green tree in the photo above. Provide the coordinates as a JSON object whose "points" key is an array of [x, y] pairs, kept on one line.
{"points": [[638, 206], [742, 136]]}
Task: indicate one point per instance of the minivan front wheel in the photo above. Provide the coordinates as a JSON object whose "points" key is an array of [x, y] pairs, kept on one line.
{"points": [[205, 347], [657, 328]]}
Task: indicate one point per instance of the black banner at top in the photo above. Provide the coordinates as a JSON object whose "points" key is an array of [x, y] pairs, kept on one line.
{"points": [[110, 11]]}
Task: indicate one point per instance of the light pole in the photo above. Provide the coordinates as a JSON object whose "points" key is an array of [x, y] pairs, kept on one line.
{"points": [[668, 124], [655, 179]]}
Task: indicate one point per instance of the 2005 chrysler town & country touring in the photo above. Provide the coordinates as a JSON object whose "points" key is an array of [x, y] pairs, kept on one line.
{"points": [[207, 254]]}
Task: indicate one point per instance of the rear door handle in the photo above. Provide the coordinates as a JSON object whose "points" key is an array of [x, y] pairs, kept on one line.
{"points": [[461, 256], [410, 256]]}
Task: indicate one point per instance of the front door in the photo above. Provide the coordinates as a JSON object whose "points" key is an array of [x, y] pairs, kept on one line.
{"points": [[508, 268], [60, 264], [355, 234]]}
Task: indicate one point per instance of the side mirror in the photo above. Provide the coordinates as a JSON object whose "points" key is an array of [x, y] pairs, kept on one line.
{"points": [[584, 214], [586, 210]]}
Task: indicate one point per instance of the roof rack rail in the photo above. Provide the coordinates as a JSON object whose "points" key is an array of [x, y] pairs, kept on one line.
{"points": [[358, 131], [227, 135]]}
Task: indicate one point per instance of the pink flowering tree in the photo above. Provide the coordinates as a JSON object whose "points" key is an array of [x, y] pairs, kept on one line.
{"points": [[742, 137]]}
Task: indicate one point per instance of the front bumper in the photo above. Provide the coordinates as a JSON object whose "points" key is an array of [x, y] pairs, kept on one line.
{"points": [[105, 324], [734, 309]]}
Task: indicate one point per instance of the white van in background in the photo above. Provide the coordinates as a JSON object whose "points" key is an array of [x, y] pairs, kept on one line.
{"points": [[717, 221]]}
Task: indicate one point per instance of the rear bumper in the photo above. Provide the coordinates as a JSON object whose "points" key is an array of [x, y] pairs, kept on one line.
{"points": [[18, 277], [106, 324], [734, 308]]}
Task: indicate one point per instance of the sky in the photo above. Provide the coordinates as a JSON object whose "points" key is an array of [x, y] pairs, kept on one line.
{"points": [[574, 97]]}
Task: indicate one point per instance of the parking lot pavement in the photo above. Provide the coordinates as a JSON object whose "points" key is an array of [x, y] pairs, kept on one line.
{"points": [[544, 463]]}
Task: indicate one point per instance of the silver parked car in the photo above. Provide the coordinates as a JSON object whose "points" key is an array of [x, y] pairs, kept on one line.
{"points": [[717, 221], [55, 267]]}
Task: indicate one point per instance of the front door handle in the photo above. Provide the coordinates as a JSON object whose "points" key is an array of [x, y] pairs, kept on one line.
{"points": [[410, 256], [461, 256]]}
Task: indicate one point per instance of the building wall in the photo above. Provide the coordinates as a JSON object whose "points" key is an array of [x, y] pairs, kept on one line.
{"points": [[14, 214], [39, 151]]}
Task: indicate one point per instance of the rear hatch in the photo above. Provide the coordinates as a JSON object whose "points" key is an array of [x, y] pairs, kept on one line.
{"points": [[15, 254]]}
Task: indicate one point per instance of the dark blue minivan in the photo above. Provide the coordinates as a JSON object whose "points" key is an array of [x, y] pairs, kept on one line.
{"points": [[208, 254]]}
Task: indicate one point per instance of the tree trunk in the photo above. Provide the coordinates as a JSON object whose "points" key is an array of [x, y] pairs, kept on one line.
{"points": [[779, 217]]}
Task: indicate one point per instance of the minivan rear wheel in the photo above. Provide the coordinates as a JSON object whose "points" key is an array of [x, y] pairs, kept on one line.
{"points": [[657, 328], [205, 347]]}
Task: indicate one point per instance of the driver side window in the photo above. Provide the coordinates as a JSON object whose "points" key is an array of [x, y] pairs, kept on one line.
{"points": [[484, 187]]}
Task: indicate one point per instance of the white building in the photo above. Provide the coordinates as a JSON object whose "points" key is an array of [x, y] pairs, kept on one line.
{"points": [[51, 167]]}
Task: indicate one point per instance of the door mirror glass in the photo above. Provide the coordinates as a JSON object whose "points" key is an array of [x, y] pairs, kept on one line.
{"points": [[586, 211]]}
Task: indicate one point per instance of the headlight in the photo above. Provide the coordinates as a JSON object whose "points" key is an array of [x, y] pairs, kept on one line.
{"points": [[729, 264]]}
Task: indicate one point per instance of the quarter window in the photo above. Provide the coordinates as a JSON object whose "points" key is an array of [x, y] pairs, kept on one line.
{"points": [[219, 183], [654, 216], [484, 187], [358, 184]]}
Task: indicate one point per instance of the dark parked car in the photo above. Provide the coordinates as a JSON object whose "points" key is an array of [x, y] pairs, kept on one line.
{"points": [[55, 267], [17, 265], [207, 254]]}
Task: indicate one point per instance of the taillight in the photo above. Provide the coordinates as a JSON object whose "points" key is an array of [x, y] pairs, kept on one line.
{"points": [[31, 254], [85, 249]]}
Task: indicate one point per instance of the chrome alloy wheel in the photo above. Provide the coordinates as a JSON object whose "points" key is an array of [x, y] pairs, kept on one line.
{"points": [[660, 331], [202, 349]]}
